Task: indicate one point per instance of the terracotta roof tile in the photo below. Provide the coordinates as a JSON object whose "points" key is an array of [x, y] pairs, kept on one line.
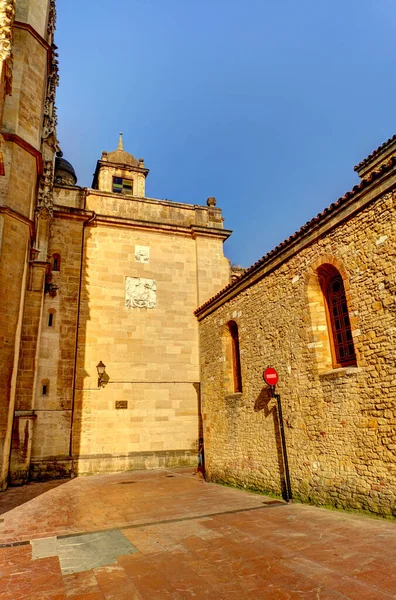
{"points": [[374, 153], [316, 220]]}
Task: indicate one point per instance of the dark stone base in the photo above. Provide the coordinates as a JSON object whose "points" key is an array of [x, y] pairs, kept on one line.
{"points": [[66, 467]]}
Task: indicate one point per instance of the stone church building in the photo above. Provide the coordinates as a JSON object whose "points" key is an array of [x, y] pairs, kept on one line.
{"points": [[321, 309], [104, 365]]}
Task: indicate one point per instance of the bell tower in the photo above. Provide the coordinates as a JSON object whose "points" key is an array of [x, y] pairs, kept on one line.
{"points": [[119, 172]]}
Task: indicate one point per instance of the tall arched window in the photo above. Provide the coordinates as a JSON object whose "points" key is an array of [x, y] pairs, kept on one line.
{"points": [[340, 324], [236, 361], [337, 315]]}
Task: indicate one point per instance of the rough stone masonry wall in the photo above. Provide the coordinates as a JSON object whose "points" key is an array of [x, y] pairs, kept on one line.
{"points": [[340, 424]]}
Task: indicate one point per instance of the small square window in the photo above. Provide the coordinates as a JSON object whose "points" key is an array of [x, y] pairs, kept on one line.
{"points": [[122, 186]]}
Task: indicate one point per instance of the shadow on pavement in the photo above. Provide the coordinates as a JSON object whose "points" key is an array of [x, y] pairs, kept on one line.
{"points": [[18, 495]]}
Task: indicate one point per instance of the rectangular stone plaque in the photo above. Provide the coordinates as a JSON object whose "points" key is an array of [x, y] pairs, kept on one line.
{"points": [[121, 404]]}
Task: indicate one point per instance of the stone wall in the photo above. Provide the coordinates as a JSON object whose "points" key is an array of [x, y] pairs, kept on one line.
{"points": [[151, 211], [24, 71], [340, 423], [24, 114], [14, 249], [145, 266], [52, 428]]}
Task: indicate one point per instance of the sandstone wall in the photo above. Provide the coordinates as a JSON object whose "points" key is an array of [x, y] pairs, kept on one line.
{"points": [[52, 427], [21, 127], [140, 284], [149, 210], [23, 111], [14, 237], [340, 423]]}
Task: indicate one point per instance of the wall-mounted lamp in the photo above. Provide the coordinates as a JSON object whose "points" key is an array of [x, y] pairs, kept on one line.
{"points": [[103, 378]]}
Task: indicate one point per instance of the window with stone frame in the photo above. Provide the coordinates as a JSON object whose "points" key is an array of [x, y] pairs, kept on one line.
{"points": [[233, 376], [56, 261], [45, 385], [337, 315], [122, 186], [51, 318]]}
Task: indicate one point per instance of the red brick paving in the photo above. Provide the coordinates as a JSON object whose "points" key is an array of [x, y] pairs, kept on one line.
{"points": [[274, 552]]}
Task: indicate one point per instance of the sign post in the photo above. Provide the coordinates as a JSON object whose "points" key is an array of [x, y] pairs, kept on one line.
{"points": [[271, 378]]}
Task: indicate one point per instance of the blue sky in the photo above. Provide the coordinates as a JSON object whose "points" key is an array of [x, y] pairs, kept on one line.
{"points": [[265, 105]]}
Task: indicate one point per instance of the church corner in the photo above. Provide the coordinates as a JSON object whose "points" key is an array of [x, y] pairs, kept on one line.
{"points": [[126, 336]]}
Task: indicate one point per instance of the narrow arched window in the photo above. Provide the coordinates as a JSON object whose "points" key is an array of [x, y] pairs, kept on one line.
{"points": [[236, 361], [56, 260], [340, 324]]}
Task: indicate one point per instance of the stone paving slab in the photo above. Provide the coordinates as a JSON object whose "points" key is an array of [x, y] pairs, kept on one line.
{"points": [[83, 552], [190, 539]]}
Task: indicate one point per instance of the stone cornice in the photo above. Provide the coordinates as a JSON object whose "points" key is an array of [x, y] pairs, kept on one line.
{"points": [[47, 47], [6, 210], [34, 33], [352, 204], [123, 167], [16, 139], [190, 231], [158, 201], [375, 153]]}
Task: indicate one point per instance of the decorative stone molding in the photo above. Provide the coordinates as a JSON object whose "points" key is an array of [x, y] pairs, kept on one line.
{"points": [[142, 254], [7, 15], [50, 122], [46, 186], [50, 116], [140, 293], [51, 20]]}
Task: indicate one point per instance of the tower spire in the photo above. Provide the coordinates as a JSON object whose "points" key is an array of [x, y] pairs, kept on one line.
{"points": [[120, 142]]}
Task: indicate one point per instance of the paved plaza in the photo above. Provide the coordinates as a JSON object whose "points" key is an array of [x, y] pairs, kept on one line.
{"points": [[169, 534]]}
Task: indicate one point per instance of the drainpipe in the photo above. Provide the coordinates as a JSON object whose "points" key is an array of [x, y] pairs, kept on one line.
{"points": [[90, 220]]}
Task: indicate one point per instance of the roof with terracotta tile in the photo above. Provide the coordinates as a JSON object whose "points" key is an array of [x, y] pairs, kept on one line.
{"points": [[382, 169], [374, 153]]}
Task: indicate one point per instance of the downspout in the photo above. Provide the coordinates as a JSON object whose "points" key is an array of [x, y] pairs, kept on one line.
{"points": [[90, 220]]}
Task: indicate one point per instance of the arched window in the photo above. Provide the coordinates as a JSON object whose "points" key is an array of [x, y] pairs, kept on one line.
{"points": [[340, 324], [56, 260], [336, 315], [236, 361]]}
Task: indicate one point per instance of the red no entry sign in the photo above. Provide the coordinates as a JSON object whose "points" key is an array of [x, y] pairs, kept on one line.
{"points": [[270, 376]]}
